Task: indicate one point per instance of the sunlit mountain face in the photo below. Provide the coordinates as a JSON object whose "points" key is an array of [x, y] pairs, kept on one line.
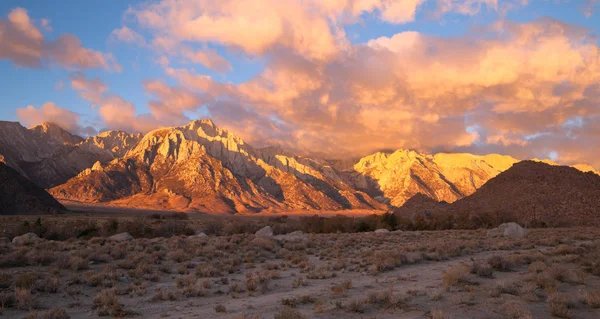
{"points": [[329, 79]]}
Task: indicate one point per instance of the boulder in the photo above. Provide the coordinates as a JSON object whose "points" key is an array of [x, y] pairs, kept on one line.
{"points": [[121, 237], [25, 239], [382, 231], [200, 234], [295, 236], [266, 231], [510, 230], [514, 230]]}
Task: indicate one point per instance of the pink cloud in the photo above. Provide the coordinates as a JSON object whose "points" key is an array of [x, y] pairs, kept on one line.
{"points": [[50, 112], [23, 43]]}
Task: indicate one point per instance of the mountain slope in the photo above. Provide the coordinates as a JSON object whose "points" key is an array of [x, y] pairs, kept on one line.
{"points": [[48, 155], [19, 196], [530, 192], [534, 192], [202, 167], [402, 174]]}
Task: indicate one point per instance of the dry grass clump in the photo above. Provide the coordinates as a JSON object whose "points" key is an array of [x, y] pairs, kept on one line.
{"points": [[56, 313], [294, 301], [482, 270], [591, 298], [5, 280], [458, 275], [107, 304], [26, 280], [559, 305], [24, 299], [358, 305], [256, 280], [500, 263], [220, 308], [322, 272], [289, 313], [386, 299], [516, 310], [504, 287]]}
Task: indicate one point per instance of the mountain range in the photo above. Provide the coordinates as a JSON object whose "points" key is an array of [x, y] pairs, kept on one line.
{"points": [[201, 167]]}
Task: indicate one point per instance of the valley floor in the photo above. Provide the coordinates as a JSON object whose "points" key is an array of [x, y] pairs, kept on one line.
{"points": [[434, 274]]}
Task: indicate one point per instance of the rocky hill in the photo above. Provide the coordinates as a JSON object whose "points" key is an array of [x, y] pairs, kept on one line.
{"points": [[19, 196], [48, 155], [530, 192]]}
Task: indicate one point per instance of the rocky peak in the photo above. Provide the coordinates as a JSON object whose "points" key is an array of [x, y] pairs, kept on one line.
{"points": [[53, 133]]}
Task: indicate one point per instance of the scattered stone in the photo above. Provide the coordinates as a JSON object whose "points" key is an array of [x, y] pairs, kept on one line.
{"points": [[382, 231], [510, 230], [25, 239], [121, 237], [266, 231]]}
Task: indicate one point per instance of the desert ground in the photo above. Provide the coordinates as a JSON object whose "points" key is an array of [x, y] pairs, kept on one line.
{"points": [[168, 271]]}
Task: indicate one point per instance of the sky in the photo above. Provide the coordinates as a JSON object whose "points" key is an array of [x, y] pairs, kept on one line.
{"points": [[336, 78]]}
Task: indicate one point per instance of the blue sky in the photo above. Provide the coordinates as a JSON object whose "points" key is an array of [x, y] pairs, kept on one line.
{"points": [[92, 22]]}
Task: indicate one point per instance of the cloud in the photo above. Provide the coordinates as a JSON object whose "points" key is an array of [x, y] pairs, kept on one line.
{"points": [[23, 43], [168, 108], [209, 58], [50, 112], [125, 34], [313, 29]]}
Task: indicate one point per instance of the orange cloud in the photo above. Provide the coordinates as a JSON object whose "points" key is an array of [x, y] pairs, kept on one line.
{"points": [[23, 43]]}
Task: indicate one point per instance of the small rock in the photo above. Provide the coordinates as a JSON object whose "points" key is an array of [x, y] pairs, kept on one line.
{"points": [[200, 234], [124, 279], [382, 231], [91, 262], [121, 237], [510, 230], [25, 239], [266, 231]]}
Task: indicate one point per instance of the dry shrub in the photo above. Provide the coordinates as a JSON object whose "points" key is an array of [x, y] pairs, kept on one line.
{"points": [[289, 313], [455, 276], [7, 300], [482, 270], [537, 267], [516, 310], [23, 299], [220, 308], [500, 263], [107, 304], [357, 305], [592, 298], [26, 280], [264, 243], [56, 313], [437, 314], [559, 304], [5, 280]]}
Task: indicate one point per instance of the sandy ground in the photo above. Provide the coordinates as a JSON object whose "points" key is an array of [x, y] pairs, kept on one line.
{"points": [[419, 289]]}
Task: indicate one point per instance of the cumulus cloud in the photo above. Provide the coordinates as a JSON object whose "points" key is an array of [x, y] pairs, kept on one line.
{"points": [[508, 87], [50, 112], [313, 29], [23, 43]]}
